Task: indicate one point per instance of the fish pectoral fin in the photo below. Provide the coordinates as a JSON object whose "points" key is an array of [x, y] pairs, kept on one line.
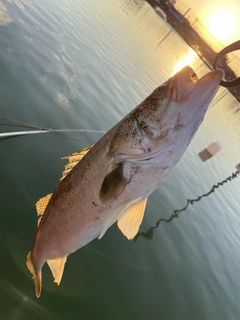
{"points": [[57, 268], [115, 182], [41, 206], [37, 276], [131, 219], [73, 160]]}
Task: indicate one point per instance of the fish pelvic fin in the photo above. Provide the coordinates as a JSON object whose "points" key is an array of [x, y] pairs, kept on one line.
{"points": [[37, 276], [57, 268], [131, 219], [73, 160]]}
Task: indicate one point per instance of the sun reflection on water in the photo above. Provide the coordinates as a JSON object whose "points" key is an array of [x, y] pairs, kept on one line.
{"points": [[186, 61]]}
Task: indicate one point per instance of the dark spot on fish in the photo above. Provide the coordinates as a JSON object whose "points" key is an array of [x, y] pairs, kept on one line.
{"points": [[179, 126], [94, 204], [66, 186], [149, 149], [143, 125]]}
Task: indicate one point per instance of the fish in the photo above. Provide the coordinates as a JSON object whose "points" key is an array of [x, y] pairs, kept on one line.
{"points": [[111, 181]]}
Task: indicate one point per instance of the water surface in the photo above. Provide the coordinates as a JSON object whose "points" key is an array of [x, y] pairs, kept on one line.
{"points": [[85, 64]]}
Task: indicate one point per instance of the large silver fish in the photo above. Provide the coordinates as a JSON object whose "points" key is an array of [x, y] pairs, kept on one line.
{"points": [[111, 181]]}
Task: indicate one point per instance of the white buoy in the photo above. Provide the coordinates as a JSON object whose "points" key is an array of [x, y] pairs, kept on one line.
{"points": [[214, 148], [238, 167], [210, 151]]}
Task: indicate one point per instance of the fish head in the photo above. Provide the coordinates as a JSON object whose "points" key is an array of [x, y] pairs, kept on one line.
{"points": [[183, 99], [193, 95], [170, 116], [180, 102]]}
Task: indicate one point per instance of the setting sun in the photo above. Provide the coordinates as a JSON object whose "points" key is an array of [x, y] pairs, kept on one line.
{"points": [[222, 24]]}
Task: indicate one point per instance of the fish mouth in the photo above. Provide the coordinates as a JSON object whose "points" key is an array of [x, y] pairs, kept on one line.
{"points": [[186, 84]]}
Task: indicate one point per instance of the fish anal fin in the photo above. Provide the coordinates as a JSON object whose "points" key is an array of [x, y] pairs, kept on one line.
{"points": [[73, 160], [131, 219], [37, 276], [57, 268]]}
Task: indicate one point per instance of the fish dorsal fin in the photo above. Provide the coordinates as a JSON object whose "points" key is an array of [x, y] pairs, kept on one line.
{"points": [[41, 206], [73, 160], [57, 268], [132, 217]]}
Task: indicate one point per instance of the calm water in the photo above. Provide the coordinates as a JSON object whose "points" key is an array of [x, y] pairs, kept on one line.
{"points": [[79, 64]]}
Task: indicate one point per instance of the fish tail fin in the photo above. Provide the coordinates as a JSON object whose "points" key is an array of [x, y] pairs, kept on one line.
{"points": [[37, 276], [57, 268]]}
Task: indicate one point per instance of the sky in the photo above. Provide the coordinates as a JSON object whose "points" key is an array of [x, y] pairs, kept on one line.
{"points": [[221, 18]]}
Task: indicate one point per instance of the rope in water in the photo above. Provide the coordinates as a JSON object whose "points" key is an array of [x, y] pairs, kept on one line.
{"points": [[149, 234]]}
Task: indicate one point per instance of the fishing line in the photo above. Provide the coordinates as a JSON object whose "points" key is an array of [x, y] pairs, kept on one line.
{"points": [[23, 124], [39, 129]]}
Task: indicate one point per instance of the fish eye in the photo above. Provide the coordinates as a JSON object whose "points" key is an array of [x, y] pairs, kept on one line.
{"points": [[163, 89], [194, 75]]}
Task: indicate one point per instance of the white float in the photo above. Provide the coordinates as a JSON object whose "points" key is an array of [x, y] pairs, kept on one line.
{"points": [[210, 151]]}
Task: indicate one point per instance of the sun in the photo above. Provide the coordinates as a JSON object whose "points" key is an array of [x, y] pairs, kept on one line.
{"points": [[222, 24]]}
